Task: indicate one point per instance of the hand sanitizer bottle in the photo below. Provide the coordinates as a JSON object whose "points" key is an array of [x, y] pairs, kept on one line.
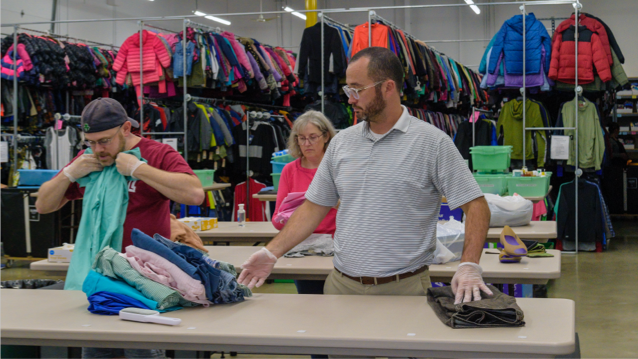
{"points": [[241, 216]]}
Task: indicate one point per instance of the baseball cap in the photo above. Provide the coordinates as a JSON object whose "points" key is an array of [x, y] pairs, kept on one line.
{"points": [[104, 114]]}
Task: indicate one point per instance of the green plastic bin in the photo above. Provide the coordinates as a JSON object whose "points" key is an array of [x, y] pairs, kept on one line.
{"points": [[495, 184], [284, 159], [275, 180], [491, 158], [207, 177], [529, 186]]}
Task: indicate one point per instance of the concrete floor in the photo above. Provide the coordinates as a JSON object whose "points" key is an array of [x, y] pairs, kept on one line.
{"points": [[603, 285]]}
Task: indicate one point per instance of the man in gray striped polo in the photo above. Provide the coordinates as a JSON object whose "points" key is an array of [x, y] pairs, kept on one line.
{"points": [[389, 171]]}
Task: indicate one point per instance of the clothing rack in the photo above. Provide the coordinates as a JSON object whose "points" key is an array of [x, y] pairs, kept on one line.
{"points": [[335, 22], [235, 102], [216, 29], [47, 33], [186, 19], [160, 28]]}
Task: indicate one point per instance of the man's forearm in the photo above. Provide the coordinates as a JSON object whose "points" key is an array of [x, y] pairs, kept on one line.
{"points": [[179, 187], [299, 227], [51, 194], [477, 223]]}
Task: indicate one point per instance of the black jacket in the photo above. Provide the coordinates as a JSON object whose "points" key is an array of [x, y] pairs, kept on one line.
{"points": [[590, 215], [310, 53]]}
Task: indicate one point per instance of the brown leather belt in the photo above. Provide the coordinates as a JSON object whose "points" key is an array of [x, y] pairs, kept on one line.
{"points": [[384, 280]]}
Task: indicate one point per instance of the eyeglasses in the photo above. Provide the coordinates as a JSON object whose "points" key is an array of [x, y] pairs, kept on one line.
{"points": [[103, 141], [312, 139], [350, 92]]}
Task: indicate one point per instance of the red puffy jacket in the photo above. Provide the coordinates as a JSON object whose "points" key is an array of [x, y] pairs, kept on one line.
{"points": [[128, 58], [591, 51]]}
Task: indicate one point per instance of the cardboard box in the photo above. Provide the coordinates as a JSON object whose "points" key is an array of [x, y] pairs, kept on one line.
{"points": [[61, 254], [200, 223]]}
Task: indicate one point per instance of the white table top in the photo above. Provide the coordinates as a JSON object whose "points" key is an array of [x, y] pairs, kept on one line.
{"points": [[282, 323], [529, 271], [265, 197], [536, 230], [216, 186]]}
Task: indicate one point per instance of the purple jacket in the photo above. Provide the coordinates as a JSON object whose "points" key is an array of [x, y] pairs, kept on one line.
{"points": [[258, 75]]}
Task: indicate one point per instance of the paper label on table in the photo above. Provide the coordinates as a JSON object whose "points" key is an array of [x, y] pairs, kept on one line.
{"points": [[171, 142], [4, 151], [560, 148]]}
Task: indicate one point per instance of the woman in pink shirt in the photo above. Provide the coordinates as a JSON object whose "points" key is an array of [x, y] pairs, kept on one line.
{"points": [[309, 139]]}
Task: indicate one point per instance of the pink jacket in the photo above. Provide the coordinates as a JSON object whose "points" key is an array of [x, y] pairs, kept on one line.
{"points": [[160, 270], [239, 52], [128, 59], [24, 56]]}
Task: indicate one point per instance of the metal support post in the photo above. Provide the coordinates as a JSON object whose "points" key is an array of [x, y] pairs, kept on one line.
{"points": [[578, 91], [15, 103], [185, 89], [370, 14], [140, 98], [523, 89], [323, 70]]}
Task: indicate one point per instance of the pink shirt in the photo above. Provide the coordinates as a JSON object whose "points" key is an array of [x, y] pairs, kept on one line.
{"points": [[295, 178]]}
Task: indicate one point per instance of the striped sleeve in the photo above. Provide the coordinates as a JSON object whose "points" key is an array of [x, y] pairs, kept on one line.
{"points": [[452, 177], [323, 190]]}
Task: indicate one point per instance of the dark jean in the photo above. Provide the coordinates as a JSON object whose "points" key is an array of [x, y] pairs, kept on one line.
{"points": [[123, 353], [498, 310], [311, 287]]}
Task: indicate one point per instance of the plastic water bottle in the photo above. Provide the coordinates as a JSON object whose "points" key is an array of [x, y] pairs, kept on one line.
{"points": [[241, 216]]}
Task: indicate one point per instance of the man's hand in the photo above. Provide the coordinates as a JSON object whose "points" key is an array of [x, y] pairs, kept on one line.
{"points": [[467, 281], [127, 164], [257, 268], [81, 167]]}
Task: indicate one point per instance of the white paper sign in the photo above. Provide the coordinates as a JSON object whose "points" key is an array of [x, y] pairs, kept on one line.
{"points": [[4, 151], [560, 148], [171, 142]]}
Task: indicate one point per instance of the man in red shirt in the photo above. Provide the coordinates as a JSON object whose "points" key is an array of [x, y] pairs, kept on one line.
{"points": [[166, 176]]}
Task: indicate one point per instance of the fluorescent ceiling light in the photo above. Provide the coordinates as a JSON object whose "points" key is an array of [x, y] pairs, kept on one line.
{"points": [[473, 7], [199, 13], [211, 17], [297, 14]]}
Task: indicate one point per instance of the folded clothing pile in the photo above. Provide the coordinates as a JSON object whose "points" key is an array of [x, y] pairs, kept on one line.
{"points": [[156, 273], [497, 310]]}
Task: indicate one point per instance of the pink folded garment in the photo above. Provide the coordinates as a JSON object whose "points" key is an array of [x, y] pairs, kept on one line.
{"points": [[160, 270], [289, 205]]}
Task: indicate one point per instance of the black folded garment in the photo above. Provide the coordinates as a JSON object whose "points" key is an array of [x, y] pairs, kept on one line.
{"points": [[498, 310]]}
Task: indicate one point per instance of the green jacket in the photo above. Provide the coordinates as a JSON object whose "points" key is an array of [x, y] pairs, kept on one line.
{"points": [[510, 125], [102, 223], [591, 142]]}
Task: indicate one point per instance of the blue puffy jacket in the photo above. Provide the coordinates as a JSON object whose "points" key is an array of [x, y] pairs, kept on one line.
{"points": [[509, 40]]}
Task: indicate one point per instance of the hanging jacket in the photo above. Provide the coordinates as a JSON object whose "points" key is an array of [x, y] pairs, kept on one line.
{"points": [[102, 223], [178, 59], [592, 25], [11, 69], [509, 41], [612, 39], [590, 53], [155, 57], [239, 52], [310, 61], [510, 125]]}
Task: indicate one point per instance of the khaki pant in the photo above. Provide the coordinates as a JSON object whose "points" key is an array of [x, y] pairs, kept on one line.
{"points": [[336, 283]]}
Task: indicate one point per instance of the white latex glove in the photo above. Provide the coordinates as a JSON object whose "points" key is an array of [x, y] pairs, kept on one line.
{"points": [[467, 281], [127, 164], [257, 268], [81, 167]]}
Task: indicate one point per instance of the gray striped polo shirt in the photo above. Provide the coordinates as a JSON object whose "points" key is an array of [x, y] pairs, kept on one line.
{"points": [[390, 190]]}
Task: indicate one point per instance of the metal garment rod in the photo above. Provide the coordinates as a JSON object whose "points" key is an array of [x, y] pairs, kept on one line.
{"points": [[323, 64], [185, 89], [451, 41], [15, 100], [335, 22], [68, 37], [342, 10], [524, 88], [577, 90], [140, 97], [161, 29]]}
